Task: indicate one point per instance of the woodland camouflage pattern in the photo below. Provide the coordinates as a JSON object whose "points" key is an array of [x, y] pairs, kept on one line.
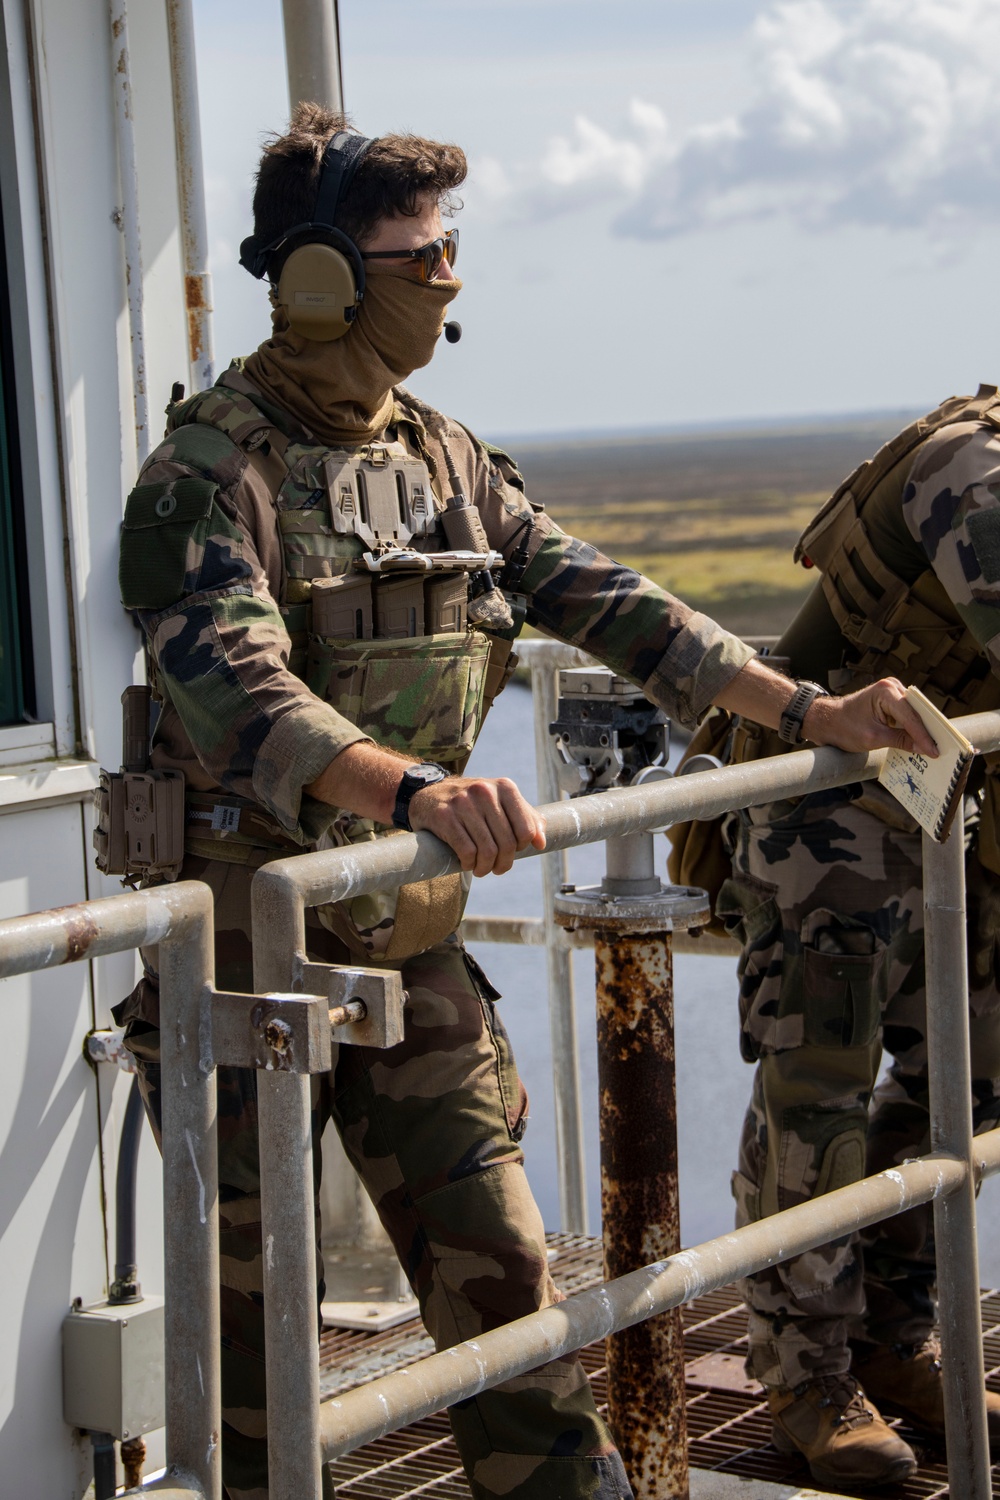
{"points": [[952, 508], [237, 613], [222, 539], [433, 1127], [826, 899], [388, 687]]}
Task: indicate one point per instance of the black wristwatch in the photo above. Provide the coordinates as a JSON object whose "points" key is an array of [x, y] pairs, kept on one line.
{"points": [[415, 778], [798, 705]]}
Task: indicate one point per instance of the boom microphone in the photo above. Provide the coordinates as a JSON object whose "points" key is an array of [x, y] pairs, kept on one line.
{"points": [[453, 332]]}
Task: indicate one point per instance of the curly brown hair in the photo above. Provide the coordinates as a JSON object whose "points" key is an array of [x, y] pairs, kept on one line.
{"points": [[395, 176]]}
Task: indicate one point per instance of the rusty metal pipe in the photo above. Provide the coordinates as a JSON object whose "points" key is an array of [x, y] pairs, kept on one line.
{"points": [[191, 193], [127, 219], [344, 1015], [428, 1385], [640, 1202]]}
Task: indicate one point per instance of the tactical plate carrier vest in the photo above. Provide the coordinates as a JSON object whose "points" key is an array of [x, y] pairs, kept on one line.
{"points": [[376, 608], [891, 627]]}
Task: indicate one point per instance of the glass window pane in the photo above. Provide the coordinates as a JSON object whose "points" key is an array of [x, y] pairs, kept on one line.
{"points": [[12, 589]]}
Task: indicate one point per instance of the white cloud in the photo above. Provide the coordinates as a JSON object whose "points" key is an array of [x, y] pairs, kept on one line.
{"points": [[882, 112]]}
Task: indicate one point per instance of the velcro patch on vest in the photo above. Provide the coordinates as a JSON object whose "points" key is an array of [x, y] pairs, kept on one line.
{"points": [[163, 535], [984, 533], [174, 540]]}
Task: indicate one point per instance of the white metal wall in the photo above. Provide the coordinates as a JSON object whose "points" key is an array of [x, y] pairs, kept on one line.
{"points": [[58, 1126]]}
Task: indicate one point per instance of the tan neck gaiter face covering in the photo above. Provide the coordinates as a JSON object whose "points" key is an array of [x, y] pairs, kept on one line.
{"points": [[342, 390]]}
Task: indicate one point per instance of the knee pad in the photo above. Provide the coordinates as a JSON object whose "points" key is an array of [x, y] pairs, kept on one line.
{"points": [[816, 1103]]}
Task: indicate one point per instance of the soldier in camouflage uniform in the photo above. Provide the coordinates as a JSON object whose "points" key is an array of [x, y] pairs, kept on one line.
{"points": [[826, 899], [289, 740]]}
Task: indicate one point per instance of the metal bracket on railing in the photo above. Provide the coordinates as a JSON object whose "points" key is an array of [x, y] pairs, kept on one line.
{"points": [[295, 1033], [379, 991], [280, 1033]]}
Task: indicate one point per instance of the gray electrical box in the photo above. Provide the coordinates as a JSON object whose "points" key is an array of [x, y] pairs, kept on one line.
{"points": [[113, 1367]]}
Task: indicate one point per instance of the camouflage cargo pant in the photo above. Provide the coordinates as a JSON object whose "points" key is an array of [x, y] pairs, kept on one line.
{"points": [[826, 899], [432, 1127]]}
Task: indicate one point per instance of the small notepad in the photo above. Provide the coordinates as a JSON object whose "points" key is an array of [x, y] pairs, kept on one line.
{"points": [[930, 789]]}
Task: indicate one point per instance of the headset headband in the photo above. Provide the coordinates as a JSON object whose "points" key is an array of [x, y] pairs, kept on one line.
{"points": [[341, 160]]}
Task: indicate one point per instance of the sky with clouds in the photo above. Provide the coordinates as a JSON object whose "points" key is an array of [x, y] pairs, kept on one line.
{"points": [[678, 211]]}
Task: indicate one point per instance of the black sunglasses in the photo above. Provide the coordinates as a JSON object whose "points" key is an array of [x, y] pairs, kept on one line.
{"points": [[430, 256]]}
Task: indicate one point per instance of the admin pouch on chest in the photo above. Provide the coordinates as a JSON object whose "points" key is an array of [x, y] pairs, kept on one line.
{"points": [[891, 627], [376, 609], [423, 696]]}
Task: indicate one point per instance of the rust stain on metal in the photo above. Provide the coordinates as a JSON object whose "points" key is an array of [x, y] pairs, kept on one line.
{"points": [[195, 342], [133, 1457], [80, 928], [639, 1198], [353, 1011], [278, 1036], [194, 294], [197, 307]]}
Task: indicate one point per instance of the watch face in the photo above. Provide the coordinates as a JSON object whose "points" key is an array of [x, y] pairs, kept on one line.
{"points": [[425, 775]]}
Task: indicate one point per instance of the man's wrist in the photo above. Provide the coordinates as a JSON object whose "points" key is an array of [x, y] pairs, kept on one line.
{"points": [[792, 724], [415, 778], [819, 717]]}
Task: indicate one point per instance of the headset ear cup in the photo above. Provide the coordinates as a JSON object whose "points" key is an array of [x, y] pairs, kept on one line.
{"points": [[318, 290]]}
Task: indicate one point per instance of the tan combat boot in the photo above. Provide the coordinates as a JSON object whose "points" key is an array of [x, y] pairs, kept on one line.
{"points": [[906, 1381], [839, 1432]]}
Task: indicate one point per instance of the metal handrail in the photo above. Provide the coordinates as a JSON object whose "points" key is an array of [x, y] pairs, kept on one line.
{"points": [[439, 1380], [281, 893], [179, 919]]}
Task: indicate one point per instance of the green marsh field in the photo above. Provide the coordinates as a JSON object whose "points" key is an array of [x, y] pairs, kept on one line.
{"points": [[711, 516]]}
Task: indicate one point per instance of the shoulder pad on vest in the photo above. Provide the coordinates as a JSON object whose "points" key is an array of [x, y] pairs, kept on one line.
{"points": [[197, 446], [225, 410], [827, 529]]}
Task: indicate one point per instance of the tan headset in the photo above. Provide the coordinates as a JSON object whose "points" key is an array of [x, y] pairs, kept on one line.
{"points": [[316, 271]]}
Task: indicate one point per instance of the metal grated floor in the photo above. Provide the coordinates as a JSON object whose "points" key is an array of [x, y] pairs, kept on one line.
{"points": [[728, 1427]]}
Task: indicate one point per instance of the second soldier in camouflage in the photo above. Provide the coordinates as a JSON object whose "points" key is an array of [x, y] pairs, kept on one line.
{"points": [[826, 899]]}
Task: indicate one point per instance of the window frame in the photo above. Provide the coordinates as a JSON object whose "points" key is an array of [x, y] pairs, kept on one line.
{"points": [[16, 675]]}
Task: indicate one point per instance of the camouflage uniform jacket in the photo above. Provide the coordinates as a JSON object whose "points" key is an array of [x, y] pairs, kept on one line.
{"points": [[910, 581], [912, 591], [235, 715]]}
